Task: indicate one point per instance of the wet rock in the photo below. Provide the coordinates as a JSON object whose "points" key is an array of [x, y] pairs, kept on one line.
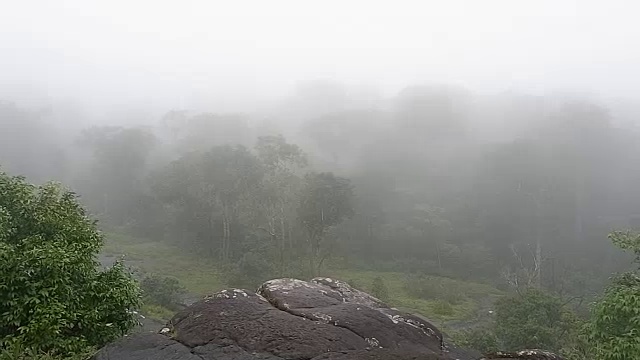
{"points": [[335, 302], [144, 347], [322, 319], [379, 354], [250, 322], [533, 354]]}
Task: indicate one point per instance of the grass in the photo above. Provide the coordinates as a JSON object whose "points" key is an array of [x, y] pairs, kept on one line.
{"points": [[157, 312], [197, 275], [445, 300], [437, 309]]}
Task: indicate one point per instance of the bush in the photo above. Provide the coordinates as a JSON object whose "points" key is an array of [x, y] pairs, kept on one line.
{"points": [[53, 298], [162, 290], [614, 330], [425, 288], [379, 289], [480, 339], [250, 271], [534, 319]]}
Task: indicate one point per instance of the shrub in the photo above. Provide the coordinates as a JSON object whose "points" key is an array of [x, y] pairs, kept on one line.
{"points": [[480, 339], [614, 330], [53, 297], [534, 319], [250, 271], [162, 290], [379, 289], [426, 288]]}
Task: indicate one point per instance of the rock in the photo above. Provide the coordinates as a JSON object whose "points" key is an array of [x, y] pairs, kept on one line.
{"points": [[379, 354], [335, 302], [533, 354], [146, 346], [250, 322], [322, 319]]}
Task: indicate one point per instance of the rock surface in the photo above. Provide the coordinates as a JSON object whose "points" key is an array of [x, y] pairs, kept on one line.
{"points": [[533, 354], [323, 319]]}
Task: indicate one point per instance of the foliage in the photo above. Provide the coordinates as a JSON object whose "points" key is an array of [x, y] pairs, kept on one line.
{"points": [[161, 290], [53, 298], [326, 200], [119, 157], [613, 331], [534, 319], [250, 271], [379, 289], [627, 240], [205, 194], [425, 288], [481, 339]]}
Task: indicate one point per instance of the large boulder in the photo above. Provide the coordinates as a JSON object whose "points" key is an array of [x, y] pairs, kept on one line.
{"points": [[321, 319]]}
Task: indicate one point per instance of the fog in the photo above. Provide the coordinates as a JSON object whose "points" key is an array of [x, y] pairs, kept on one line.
{"points": [[230, 56], [482, 141]]}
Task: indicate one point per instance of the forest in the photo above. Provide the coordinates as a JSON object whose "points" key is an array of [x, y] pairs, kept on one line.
{"points": [[456, 199]]}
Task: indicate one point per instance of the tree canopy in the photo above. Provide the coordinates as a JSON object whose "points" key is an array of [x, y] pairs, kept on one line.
{"points": [[53, 297]]}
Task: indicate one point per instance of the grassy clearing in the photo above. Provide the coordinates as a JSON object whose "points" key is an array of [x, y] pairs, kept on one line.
{"points": [[157, 312], [198, 276], [440, 307], [442, 299]]}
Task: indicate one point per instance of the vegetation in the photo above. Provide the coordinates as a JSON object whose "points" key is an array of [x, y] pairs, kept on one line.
{"points": [[534, 319], [379, 289], [420, 199], [53, 298], [159, 290], [613, 331]]}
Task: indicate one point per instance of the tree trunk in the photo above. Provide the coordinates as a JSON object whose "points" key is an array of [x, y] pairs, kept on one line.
{"points": [[538, 260], [226, 234], [315, 246], [283, 240]]}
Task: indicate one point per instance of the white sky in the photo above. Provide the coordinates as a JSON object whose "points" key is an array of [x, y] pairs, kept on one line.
{"points": [[151, 52]]}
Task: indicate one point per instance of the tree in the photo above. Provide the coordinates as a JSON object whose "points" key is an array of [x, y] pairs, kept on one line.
{"points": [[29, 145], [534, 319], [432, 226], [326, 200], [613, 331], [209, 190], [165, 291], [118, 162], [279, 189], [53, 298]]}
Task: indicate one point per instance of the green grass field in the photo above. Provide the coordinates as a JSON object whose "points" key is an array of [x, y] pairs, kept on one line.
{"points": [[197, 275], [451, 300], [441, 308]]}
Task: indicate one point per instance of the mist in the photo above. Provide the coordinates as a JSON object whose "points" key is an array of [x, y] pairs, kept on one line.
{"points": [[492, 142]]}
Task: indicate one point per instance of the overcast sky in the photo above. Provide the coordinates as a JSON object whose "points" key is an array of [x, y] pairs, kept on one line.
{"points": [[187, 51]]}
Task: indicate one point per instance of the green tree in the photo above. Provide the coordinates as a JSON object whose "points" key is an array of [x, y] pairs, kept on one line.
{"points": [[279, 190], [207, 193], [613, 331], [326, 200], [118, 164], [53, 298], [534, 319]]}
